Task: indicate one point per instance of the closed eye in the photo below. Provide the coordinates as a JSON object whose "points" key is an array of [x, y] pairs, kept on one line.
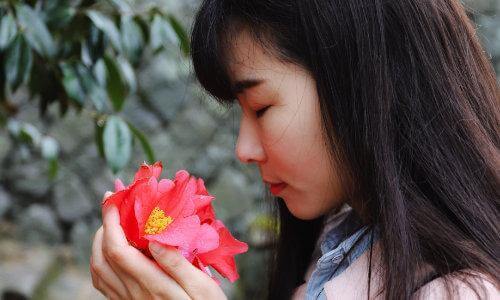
{"points": [[261, 111]]}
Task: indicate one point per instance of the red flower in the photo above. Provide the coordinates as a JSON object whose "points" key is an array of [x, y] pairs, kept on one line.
{"points": [[176, 213], [167, 214], [222, 258]]}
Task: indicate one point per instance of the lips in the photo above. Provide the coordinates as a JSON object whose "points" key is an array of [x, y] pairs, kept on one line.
{"points": [[276, 188]]}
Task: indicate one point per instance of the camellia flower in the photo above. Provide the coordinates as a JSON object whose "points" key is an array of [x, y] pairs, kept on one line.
{"points": [[222, 258], [176, 213]]}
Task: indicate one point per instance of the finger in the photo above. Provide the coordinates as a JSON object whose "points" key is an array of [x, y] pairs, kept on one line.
{"points": [[116, 249], [102, 270], [129, 264], [195, 282], [118, 252], [142, 275], [106, 290], [113, 232]]}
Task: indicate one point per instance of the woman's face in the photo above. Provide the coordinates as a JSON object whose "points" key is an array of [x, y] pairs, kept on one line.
{"points": [[280, 130]]}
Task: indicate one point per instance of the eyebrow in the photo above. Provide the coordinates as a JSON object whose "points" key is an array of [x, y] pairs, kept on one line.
{"points": [[241, 85]]}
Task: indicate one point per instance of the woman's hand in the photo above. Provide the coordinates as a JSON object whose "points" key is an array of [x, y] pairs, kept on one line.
{"points": [[120, 271]]}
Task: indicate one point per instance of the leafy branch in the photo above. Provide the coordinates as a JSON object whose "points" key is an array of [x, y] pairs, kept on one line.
{"points": [[81, 55]]}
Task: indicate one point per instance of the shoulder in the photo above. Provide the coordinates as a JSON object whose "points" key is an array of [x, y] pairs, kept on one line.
{"points": [[463, 285], [352, 283]]}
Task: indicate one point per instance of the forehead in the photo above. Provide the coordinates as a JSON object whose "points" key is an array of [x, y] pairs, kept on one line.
{"points": [[248, 59]]}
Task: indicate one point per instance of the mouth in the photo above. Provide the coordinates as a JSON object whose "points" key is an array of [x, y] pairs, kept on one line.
{"points": [[276, 188]]}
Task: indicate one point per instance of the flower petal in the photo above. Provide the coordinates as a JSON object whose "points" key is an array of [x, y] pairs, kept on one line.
{"points": [[165, 186], [146, 171], [180, 233], [119, 186], [206, 240], [201, 201], [202, 190], [222, 258], [177, 203], [206, 214]]}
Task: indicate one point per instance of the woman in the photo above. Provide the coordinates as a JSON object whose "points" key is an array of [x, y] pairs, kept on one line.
{"points": [[377, 125]]}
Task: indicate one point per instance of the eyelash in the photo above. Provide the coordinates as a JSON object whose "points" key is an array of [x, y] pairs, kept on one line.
{"points": [[261, 111]]}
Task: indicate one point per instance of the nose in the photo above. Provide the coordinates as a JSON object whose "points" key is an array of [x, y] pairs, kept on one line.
{"points": [[249, 146]]}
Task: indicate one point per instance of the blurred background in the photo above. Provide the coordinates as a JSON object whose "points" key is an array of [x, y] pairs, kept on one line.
{"points": [[88, 91]]}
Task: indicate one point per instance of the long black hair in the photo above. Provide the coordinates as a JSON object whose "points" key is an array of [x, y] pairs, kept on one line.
{"points": [[409, 103]]}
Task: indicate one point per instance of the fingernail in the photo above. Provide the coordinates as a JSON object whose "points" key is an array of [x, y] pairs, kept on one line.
{"points": [[155, 248]]}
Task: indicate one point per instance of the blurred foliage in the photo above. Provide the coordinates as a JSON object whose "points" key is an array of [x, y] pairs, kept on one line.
{"points": [[81, 54]]}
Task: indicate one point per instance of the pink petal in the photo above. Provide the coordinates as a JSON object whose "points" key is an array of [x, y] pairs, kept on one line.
{"points": [[202, 190], [180, 233], [201, 200], [218, 225], [178, 203], [165, 186], [119, 186], [206, 240], [146, 171]]}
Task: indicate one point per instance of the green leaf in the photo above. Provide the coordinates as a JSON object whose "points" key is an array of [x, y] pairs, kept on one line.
{"points": [[128, 73], [8, 31], [146, 146], [93, 47], [132, 38], [60, 15], [92, 89], [117, 143], [53, 168], [35, 31], [162, 33], [72, 83], [18, 63], [115, 85], [181, 34], [98, 97], [107, 26], [49, 148], [123, 5], [99, 71]]}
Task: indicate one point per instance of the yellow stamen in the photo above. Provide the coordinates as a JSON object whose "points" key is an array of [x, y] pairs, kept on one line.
{"points": [[157, 221]]}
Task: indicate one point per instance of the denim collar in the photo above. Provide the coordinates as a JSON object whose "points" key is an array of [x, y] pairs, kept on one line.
{"points": [[340, 247]]}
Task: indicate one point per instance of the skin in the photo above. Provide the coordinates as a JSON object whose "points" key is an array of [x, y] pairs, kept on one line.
{"points": [[286, 143]]}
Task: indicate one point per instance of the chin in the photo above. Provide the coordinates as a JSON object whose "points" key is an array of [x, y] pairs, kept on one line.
{"points": [[301, 213]]}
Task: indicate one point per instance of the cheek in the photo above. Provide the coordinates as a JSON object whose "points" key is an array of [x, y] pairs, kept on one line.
{"points": [[293, 143]]}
